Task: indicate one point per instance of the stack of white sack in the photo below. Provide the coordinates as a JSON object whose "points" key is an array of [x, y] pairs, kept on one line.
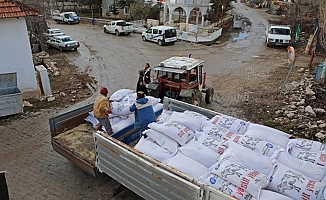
{"points": [[244, 160], [307, 150], [121, 116], [246, 170], [152, 149]]}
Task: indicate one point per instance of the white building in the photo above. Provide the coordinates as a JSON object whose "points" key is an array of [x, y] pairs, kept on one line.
{"points": [[186, 8], [15, 51]]}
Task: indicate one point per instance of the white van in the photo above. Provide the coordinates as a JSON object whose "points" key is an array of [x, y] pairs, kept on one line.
{"points": [[160, 34], [279, 35]]}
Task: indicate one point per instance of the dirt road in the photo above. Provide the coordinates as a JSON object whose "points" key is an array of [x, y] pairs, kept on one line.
{"points": [[235, 69]]}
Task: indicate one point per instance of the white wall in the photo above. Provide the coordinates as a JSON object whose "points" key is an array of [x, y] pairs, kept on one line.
{"points": [[16, 53]]}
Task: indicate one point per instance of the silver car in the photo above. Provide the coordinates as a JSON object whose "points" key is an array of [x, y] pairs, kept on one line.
{"points": [[51, 32], [63, 43]]}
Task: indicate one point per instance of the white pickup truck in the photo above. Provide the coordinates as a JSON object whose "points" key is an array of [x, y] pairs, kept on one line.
{"points": [[278, 35], [118, 157], [66, 17], [118, 27]]}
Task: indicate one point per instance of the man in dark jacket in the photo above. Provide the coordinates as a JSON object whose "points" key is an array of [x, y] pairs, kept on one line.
{"points": [[144, 79], [144, 113]]}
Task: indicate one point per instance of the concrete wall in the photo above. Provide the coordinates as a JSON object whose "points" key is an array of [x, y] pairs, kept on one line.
{"points": [[16, 53]]}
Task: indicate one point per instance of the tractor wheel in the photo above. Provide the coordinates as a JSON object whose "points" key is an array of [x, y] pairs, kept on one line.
{"points": [[209, 95], [196, 98], [185, 99]]}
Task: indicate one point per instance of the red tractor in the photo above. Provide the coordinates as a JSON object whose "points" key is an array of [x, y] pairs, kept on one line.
{"points": [[181, 78]]}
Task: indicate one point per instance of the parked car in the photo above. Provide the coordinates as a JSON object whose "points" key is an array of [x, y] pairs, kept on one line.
{"points": [[278, 35], [63, 43], [118, 27], [161, 35], [51, 32]]}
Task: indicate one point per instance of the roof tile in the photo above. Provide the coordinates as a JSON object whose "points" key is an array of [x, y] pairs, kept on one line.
{"points": [[12, 9]]}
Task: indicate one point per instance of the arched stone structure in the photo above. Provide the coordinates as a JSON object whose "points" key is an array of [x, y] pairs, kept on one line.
{"points": [[188, 6]]}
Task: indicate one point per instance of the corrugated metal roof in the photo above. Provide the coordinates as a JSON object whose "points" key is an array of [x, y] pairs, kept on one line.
{"points": [[13, 9]]}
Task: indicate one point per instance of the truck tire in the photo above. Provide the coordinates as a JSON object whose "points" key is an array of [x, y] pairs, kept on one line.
{"points": [[69, 22], [144, 38], [60, 49], [56, 21], [117, 32], [160, 42], [209, 95], [197, 98], [105, 30]]}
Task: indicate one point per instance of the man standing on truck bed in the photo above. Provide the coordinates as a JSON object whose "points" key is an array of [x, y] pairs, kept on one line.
{"points": [[101, 110], [144, 113]]}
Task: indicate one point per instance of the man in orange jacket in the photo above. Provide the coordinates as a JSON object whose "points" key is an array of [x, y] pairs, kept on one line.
{"points": [[102, 110]]}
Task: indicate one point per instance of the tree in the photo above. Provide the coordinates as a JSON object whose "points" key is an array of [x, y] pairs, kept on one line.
{"points": [[144, 11], [219, 7]]}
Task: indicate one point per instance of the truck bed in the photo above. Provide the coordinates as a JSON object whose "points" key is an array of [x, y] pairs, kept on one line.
{"points": [[79, 140], [116, 157]]}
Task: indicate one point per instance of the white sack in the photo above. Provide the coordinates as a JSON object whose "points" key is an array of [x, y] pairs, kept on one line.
{"points": [[294, 184], [214, 143], [114, 120], [129, 99], [308, 145], [258, 145], [217, 131], [162, 140], [120, 109], [174, 130], [249, 158], [90, 118], [153, 100], [197, 115], [120, 94], [189, 121], [227, 187], [235, 125], [151, 149], [309, 169], [247, 179], [270, 195], [200, 153], [157, 107], [268, 134], [123, 124], [318, 158], [186, 165], [164, 115]]}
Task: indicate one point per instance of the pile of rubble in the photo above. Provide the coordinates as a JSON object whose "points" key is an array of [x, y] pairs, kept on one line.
{"points": [[303, 108], [43, 58]]}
